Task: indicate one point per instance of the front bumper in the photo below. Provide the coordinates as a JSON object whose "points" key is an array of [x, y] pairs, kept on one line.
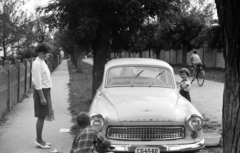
{"points": [[163, 148]]}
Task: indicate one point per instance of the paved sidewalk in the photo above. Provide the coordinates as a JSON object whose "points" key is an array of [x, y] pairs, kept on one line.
{"points": [[18, 134]]}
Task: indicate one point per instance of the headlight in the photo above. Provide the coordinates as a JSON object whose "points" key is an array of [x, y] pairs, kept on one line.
{"points": [[98, 122], [194, 122]]}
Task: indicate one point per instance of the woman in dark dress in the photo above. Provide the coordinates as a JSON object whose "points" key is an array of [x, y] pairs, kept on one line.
{"points": [[42, 82]]}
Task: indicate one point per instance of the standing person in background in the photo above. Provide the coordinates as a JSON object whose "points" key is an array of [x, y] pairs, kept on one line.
{"points": [[196, 62], [42, 83], [185, 84]]}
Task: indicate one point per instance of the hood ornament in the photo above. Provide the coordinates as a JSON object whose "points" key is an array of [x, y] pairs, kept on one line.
{"points": [[146, 110]]}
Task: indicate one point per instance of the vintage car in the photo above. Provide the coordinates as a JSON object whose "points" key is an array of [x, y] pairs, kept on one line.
{"points": [[139, 109]]}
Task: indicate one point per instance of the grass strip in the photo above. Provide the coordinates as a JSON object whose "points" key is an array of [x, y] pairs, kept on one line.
{"points": [[80, 91]]}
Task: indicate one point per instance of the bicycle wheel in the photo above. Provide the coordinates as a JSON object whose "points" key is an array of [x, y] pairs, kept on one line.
{"points": [[200, 77], [191, 74]]}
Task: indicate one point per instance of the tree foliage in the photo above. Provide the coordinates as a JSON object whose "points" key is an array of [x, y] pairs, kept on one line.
{"points": [[14, 26], [64, 41], [84, 18], [186, 26], [210, 36], [98, 23]]}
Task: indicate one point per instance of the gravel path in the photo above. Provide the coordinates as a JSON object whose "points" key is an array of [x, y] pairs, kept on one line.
{"points": [[208, 99]]}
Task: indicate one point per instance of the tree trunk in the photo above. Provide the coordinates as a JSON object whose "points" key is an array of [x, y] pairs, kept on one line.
{"points": [[109, 55], [149, 53], [78, 57], [184, 54], [100, 54], [228, 13], [140, 54], [74, 59], [176, 56], [4, 51], [158, 54], [129, 53]]}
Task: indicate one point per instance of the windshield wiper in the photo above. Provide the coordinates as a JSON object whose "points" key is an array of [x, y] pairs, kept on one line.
{"points": [[139, 73], [136, 77], [155, 77]]}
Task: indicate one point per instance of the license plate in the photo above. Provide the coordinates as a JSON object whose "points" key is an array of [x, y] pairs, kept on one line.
{"points": [[147, 150]]}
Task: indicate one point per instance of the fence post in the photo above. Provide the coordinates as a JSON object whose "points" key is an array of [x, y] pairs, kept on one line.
{"points": [[1, 62], [26, 86], [31, 62], [17, 63], [7, 65], [58, 60]]}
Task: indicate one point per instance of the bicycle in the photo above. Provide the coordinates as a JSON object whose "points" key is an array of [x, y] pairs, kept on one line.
{"points": [[200, 76]]}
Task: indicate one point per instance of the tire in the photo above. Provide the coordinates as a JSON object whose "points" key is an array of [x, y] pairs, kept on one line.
{"points": [[200, 77]]}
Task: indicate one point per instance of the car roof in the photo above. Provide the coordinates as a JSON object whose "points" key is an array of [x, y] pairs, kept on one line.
{"points": [[137, 61]]}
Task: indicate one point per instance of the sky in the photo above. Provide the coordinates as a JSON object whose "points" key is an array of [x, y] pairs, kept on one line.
{"points": [[30, 8], [32, 4]]}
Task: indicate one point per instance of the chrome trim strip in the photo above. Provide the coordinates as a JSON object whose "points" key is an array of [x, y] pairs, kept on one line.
{"points": [[146, 133], [165, 148]]}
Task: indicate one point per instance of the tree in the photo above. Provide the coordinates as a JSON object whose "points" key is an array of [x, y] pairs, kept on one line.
{"points": [[185, 28], [138, 43], [95, 22], [144, 38], [191, 21], [69, 46], [228, 14], [211, 35], [12, 23], [162, 39], [64, 41]]}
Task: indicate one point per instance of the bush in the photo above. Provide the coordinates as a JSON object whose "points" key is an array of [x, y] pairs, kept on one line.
{"points": [[26, 53]]}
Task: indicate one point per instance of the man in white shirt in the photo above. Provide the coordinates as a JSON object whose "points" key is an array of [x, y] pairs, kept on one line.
{"points": [[196, 62]]}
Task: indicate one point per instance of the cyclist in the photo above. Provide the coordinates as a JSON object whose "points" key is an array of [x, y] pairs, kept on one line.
{"points": [[196, 63]]}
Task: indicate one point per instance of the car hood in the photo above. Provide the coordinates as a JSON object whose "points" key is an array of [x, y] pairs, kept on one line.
{"points": [[144, 105]]}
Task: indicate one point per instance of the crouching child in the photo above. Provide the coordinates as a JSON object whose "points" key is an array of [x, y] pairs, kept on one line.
{"points": [[88, 140]]}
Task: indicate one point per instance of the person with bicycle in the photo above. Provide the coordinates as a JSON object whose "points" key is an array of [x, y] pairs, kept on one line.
{"points": [[196, 63]]}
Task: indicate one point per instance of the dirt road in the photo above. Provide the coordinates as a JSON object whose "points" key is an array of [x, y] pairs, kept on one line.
{"points": [[208, 99]]}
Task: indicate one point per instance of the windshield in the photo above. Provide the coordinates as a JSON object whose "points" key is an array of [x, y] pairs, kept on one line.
{"points": [[143, 76]]}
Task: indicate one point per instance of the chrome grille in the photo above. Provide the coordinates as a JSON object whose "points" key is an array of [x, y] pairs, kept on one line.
{"points": [[145, 133]]}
